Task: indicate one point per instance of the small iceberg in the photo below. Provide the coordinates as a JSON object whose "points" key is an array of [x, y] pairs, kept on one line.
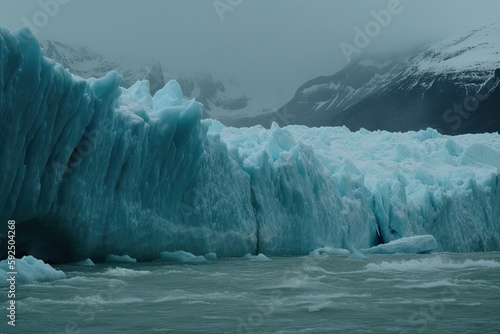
{"points": [[409, 245], [119, 259], [29, 270]]}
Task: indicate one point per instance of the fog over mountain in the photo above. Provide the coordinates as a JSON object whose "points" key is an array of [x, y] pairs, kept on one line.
{"points": [[293, 42], [250, 166]]}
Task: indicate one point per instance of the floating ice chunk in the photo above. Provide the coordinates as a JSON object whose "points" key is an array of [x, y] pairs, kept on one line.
{"points": [[327, 250], [260, 257], [427, 285], [180, 256], [124, 272], [85, 263], [30, 270], [357, 256], [408, 245], [119, 259], [210, 256]]}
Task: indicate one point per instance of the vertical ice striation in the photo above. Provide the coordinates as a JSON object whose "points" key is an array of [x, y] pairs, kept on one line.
{"points": [[298, 204], [91, 169]]}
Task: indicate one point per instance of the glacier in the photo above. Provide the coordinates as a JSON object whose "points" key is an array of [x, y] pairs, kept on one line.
{"points": [[91, 169]]}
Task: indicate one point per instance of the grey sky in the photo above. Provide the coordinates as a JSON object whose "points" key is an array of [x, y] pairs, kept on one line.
{"points": [[279, 43]]}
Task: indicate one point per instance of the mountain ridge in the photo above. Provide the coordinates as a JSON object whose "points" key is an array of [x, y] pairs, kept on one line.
{"points": [[450, 86]]}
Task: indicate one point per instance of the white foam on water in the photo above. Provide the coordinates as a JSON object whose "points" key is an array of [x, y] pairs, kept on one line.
{"points": [[197, 298], [471, 304], [193, 302], [88, 300], [168, 299], [299, 280], [383, 280], [124, 272], [430, 264], [426, 285], [318, 307], [93, 280], [404, 301]]}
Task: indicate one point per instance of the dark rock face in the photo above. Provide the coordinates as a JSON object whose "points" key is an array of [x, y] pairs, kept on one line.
{"points": [[201, 86], [87, 63], [387, 97], [232, 104], [452, 86], [156, 79], [211, 92]]}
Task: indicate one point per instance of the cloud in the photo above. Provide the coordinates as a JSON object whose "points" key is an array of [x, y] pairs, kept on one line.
{"points": [[274, 43]]}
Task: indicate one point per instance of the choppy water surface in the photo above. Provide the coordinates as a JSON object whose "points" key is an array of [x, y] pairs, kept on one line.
{"points": [[439, 293]]}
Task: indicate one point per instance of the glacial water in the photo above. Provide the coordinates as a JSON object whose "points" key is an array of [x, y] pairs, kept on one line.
{"points": [[437, 293]]}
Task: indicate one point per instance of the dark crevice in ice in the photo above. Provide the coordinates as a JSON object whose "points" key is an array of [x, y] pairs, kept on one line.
{"points": [[379, 239], [255, 206], [47, 239]]}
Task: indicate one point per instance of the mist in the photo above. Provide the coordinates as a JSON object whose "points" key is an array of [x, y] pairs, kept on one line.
{"points": [[276, 44], [250, 166]]}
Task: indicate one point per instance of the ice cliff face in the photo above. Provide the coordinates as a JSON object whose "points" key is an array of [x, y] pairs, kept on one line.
{"points": [[90, 169]]}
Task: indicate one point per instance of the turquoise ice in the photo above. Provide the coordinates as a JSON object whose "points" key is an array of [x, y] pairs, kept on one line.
{"points": [[91, 169]]}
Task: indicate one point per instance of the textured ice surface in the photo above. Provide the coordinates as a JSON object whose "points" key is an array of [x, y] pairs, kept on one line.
{"points": [[259, 257], [210, 256], [328, 250], [85, 263], [90, 169], [408, 245], [181, 256], [30, 270]]}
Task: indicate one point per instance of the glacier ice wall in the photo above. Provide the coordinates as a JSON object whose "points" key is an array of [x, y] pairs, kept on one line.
{"points": [[90, 169]]}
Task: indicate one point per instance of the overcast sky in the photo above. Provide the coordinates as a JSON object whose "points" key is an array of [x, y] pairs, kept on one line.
{"points": [[279, 43]]}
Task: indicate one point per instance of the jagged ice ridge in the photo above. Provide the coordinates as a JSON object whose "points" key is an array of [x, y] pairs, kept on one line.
{"points": [[91, 169]]}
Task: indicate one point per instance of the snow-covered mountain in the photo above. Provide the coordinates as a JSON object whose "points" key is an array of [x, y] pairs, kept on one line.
{"points": [[86, 63], [450, 86], [218, 98], [225, 99]]}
